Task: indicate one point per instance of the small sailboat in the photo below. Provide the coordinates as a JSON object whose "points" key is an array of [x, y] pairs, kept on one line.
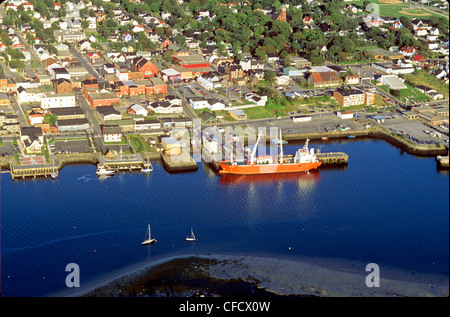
{"points": [[325, 138], [192, 238], [149, 240]]}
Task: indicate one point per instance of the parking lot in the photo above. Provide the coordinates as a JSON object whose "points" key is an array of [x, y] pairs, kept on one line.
{"points": [[7, 149], [413, 128], [71, 146]]}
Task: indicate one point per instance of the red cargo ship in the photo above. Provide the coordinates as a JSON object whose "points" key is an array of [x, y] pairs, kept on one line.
{"points": [[303, 160]]}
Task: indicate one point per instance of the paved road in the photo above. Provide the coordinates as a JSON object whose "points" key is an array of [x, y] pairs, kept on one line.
{"points": [[90, 115], [83, 62], [186, 107], [19, 111]]}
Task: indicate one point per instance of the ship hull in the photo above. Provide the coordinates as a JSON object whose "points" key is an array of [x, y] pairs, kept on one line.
{"points": [[249, 169]]}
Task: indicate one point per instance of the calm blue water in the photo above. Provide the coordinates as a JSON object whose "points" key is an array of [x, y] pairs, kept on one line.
{"points": [[386, 207]]}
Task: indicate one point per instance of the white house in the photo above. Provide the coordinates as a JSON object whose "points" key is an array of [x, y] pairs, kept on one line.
{"points": [[137, 110], [25, 95], [345, 114], [112, 134], [256, 99], [52, 100], [84, 45], [282, 80], [165, 107], [200, 103]]}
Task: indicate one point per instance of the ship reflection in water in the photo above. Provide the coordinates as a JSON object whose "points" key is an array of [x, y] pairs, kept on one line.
{"points": [[310, 177], [306, 181]]}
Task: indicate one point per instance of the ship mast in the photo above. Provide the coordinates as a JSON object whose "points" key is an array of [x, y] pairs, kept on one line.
{"points": [[281, 149], [252, 158]]}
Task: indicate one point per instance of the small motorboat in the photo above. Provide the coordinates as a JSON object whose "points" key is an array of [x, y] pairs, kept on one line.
{"points": [[104, 172]]}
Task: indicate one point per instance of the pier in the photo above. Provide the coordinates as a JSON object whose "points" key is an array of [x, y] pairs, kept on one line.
{"points": [[125, 162], [34, 171], [442, 161], [179, 163], [333, 158]]}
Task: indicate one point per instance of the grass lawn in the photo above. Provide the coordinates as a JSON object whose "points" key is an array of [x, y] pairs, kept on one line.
{"points": [[257, 113], [412, 93], [422, 78], [397, 9]]}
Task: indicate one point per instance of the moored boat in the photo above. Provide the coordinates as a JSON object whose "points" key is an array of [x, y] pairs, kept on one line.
{"points": [[303, 160], [104, 171]]}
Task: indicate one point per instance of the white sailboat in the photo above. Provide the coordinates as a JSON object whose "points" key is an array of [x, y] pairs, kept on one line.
{"points": [[149, 240], [192, 238]]}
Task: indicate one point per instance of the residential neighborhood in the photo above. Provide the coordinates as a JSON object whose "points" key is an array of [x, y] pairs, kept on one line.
{"points": [[82, 67]]}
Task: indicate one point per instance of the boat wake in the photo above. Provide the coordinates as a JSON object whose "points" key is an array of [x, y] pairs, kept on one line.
{"points": [[86, 178], [69, 238]]}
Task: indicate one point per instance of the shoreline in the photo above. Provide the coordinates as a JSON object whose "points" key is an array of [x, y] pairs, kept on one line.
{"points": [[378, 133], [255, 275]]}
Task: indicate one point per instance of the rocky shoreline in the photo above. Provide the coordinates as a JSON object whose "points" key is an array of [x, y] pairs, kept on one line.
{"points": [[253, 276]]}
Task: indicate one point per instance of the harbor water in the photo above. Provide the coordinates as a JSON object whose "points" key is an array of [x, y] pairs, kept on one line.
{"points": [[386, 207]]}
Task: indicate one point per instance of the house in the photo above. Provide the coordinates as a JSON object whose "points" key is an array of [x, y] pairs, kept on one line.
{"points": [[32, 139], [165, 107], [35, 117], [352, 80], [108, 113], [440, 74], [127, 37], [147, 124], [80, 124], [324, 79], [292, 71], [307, 20], [345, 115], [238, 114], [136, 109], [112, 133], [282, 80], [84, 45], [421, 32], [211, 104], [208, 117], [408, 51], [174, 101], [164, 42], [256, 99], [418, 59], [404, 63]]}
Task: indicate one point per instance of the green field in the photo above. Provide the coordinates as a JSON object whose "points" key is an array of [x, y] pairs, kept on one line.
{"points": [[397, 10]]}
